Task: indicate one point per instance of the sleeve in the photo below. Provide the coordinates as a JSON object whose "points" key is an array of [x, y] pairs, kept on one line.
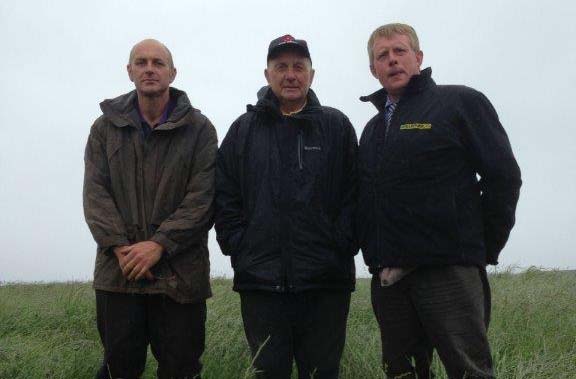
{"points": [[100, 211], [494, 161], [193, 218], [345, 223], [230, 221]]}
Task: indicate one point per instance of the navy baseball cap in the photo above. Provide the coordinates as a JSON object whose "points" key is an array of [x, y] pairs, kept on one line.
{"points": [[287, 42]]}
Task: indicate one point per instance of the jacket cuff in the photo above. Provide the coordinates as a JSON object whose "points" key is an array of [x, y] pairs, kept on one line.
{"points": [[375, 270], [234, 243], [108, 243], [170, 247], [492, 258]]}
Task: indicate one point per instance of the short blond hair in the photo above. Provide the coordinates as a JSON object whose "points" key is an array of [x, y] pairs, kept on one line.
{"points": [[387, 31]]}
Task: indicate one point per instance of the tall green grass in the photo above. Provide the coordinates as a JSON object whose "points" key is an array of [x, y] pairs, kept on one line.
{"points": [[48, 331]]}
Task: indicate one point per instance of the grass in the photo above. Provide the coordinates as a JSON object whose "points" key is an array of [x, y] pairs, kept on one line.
{"points": [[48, 331]]}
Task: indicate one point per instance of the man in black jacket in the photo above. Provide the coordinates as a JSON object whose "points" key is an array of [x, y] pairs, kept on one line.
{"points": [[427, 227], [285, 195]]}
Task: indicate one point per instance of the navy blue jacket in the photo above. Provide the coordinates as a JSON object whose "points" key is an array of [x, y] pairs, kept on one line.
{"points": [[285, 214], [420, 200]]}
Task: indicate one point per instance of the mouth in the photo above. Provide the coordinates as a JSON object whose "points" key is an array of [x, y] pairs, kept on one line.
{"points": [[395, 74]]}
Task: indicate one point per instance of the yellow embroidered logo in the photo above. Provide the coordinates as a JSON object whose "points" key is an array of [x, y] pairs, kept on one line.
{"points": [[415, 126]]}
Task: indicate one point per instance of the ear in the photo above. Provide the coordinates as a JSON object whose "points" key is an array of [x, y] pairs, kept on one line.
{"points": [[312, 72], [419, 58], [373, 71], [266, 75], [173, 74], [129, 69]]}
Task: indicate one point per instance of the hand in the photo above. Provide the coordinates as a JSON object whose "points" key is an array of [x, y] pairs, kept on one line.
{"points": [[139, 258], [120, 252]]}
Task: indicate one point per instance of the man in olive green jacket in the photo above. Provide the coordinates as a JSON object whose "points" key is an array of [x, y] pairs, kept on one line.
{"points": [[148, 190]]}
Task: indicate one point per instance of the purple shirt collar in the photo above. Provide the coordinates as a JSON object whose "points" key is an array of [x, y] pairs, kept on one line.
{"points": [[167, 111]]}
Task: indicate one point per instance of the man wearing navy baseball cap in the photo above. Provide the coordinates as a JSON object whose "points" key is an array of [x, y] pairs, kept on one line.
{"points": [[285, 196]]}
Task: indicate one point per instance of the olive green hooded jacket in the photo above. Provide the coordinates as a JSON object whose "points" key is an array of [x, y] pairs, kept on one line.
{"points": [[158, 188]]}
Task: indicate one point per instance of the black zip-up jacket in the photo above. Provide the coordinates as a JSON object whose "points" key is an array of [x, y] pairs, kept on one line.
{"points": [[420, 202], [285, 214]]}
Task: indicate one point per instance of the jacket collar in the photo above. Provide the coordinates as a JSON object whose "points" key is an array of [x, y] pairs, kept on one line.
{"points": [[269, 103], [122, 112], [417, 84]]}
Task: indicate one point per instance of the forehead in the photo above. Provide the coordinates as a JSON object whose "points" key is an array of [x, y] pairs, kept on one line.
{"points": [[149, 50], [394, 40], [289, 57]]}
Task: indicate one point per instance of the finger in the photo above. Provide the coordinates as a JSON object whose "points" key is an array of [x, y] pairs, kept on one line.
{"points": [[130, 252], [121, 263], [149, 276], [138, 271], [123, 249], [133, 272], [141, 273], [129, 266]]}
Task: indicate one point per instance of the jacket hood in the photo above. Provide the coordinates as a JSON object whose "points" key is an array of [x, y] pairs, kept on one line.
{"points": [[122, 110], [269, 103], [416, 84]]}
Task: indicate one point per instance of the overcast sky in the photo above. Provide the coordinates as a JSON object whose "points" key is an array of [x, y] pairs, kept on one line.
{"points": [[60, 59]]}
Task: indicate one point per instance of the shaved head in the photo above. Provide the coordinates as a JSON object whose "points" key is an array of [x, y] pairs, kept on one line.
{"points": [[151, 68], [149, 42]]}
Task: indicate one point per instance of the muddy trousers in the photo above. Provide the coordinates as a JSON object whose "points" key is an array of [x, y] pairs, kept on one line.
{"points": [[446, 308], [127, 323], [308, 327]]}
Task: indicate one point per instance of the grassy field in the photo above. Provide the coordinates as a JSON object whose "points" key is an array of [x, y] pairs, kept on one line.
{"points": [[48, 331]]}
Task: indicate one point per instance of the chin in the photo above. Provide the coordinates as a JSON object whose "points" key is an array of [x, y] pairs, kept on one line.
{"points": [[151, 93]]}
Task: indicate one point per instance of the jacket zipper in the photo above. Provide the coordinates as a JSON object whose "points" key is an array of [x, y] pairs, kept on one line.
{"points": [[300, 164], [143, 189]]}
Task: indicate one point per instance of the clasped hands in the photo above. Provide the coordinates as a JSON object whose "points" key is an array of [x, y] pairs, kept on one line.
{"points": [[136, 260]]}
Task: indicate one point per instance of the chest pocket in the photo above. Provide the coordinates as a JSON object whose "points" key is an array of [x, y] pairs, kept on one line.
{"points": [[311, 152], [418, 136], [428, 148], [113, 144], [120, 152]]}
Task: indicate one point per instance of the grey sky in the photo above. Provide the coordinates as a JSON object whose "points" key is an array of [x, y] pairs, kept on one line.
{"points": [[61, 58]]}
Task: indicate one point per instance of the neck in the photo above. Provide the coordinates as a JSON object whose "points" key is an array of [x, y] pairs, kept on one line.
{"points": [[394, 98], [292, 107], [152, 108]]}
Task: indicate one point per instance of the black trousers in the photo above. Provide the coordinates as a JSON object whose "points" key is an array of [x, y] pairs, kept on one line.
{"points": [[128, 323], [309, 327], [445, 308]]}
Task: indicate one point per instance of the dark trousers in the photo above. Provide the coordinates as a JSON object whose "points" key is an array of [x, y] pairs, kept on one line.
{"points": [[309, 327], [128, 323], [445, 308]]}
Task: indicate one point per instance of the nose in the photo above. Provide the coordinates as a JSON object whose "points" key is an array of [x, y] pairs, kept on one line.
{"points": [[290, 74], [149, 67], [392, 59]]}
